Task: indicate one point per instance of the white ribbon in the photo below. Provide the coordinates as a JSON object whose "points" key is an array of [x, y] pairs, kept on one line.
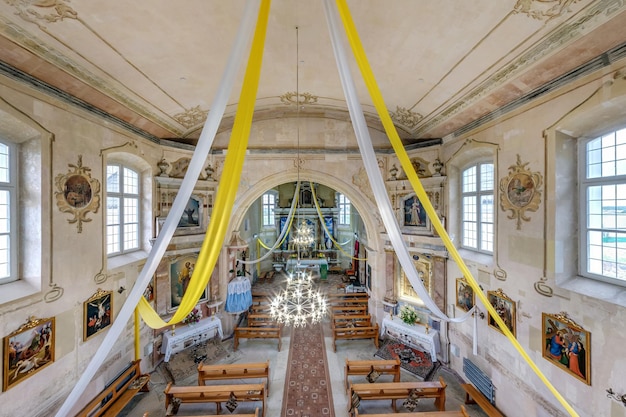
{"points": [[180, 202], [373, 173]]}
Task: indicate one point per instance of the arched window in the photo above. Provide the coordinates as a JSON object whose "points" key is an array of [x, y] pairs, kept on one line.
{"points": [[602, 181], [123, 213], [477, 186]]}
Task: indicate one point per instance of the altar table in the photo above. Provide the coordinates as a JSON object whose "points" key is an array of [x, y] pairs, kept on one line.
{"points": [[181, 338], [412, 335]]}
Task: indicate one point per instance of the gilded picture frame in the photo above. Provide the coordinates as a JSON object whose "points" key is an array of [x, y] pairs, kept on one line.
{"points": [[506, 309], [567, 345], [28, 350], [423, 266], [520, 191], [97, 313], [414, 218], [77, 193], [465, 297]]}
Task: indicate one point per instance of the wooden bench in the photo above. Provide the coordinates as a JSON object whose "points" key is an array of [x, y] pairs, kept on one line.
{"points": [[221, 372], [383, 367], [473, 396], [118, 393], [261, 319], [351, 320], [400, 390], [256, 414], [257, 333], [176, 395], [354, 309], [461, 413], [352, 333]]}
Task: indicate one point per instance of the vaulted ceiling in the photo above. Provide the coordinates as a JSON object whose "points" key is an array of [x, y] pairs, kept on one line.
{"points": [[443, 67]]}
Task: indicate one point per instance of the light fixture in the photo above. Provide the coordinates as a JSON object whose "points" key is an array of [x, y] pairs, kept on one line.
{"points": [[299, 303]]}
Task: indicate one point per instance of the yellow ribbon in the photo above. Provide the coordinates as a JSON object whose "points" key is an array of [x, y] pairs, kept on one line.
{"points": [[383, 113], [229, 183]]}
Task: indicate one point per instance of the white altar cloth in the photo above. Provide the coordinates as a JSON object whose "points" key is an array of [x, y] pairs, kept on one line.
{"points": [[184, 337], [414, 336]]}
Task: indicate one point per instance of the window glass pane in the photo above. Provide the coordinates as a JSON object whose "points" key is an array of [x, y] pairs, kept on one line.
{"points": [[113, 239], [131, 236], [486, 177], [4, 164], [5, 258], [486, 237], [131, 210], [5, 211], [113, 210], [113, 179], [469, 180], [131, 182], [469, 208]]}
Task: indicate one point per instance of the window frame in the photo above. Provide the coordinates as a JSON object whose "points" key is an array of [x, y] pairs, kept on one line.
{"points": [[122, 195], [345, 210], [12, 186], [584, 185], [477, 195], [268, 220]]}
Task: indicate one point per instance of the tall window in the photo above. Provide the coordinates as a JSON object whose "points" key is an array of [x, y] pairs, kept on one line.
{"points": [[477, 208], [269, 203], [122, 209], [603, 207], [8, 214], [344, 210]]}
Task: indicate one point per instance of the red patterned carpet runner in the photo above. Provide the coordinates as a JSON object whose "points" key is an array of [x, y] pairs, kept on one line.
{"points": [[307, 384]]}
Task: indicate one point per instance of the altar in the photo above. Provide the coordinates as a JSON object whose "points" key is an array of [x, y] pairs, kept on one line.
{"points": [[314, 264], [181, 338], [414, 336]]}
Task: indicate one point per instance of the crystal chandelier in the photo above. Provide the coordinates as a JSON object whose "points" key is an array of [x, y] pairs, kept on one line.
{"points": [[299, 303], [303, 236]]}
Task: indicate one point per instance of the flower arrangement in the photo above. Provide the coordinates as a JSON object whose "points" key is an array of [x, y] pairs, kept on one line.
{"points": [[193, 317], [408, 314]]}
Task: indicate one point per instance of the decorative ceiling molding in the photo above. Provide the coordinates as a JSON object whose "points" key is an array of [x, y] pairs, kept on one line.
{"points": [[292, 97], [591, 17], [406, 117], [543, 9], [191, 117], [40, 49], [59, 8]]}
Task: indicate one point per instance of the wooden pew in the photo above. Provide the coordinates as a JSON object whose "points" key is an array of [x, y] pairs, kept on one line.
{"points": [[400, 390], [351, 320], [118, 393], [257, 333], [256, 414], [261, 319], [352, 333], [354, 309], [260, 370], [338, 298], [473, 396], [383, 367], [176, 395], [461, 413]]}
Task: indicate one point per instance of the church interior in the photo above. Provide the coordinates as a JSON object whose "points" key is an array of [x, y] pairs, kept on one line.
{"points": [[457, 167]]}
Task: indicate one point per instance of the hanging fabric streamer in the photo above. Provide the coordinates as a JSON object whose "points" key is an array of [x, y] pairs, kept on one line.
{"points": [[193, 171], [396, 143]]}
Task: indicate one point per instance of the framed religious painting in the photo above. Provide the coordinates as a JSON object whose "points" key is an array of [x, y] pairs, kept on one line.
{"points": [[180, 273], [567, 345], [27, 350], [423, 267], [505, 307], [414, 218], [465, 298], [97, 313]]}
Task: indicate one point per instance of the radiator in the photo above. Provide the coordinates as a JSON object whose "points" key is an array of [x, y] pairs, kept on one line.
{"points": [[480, 380]]}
